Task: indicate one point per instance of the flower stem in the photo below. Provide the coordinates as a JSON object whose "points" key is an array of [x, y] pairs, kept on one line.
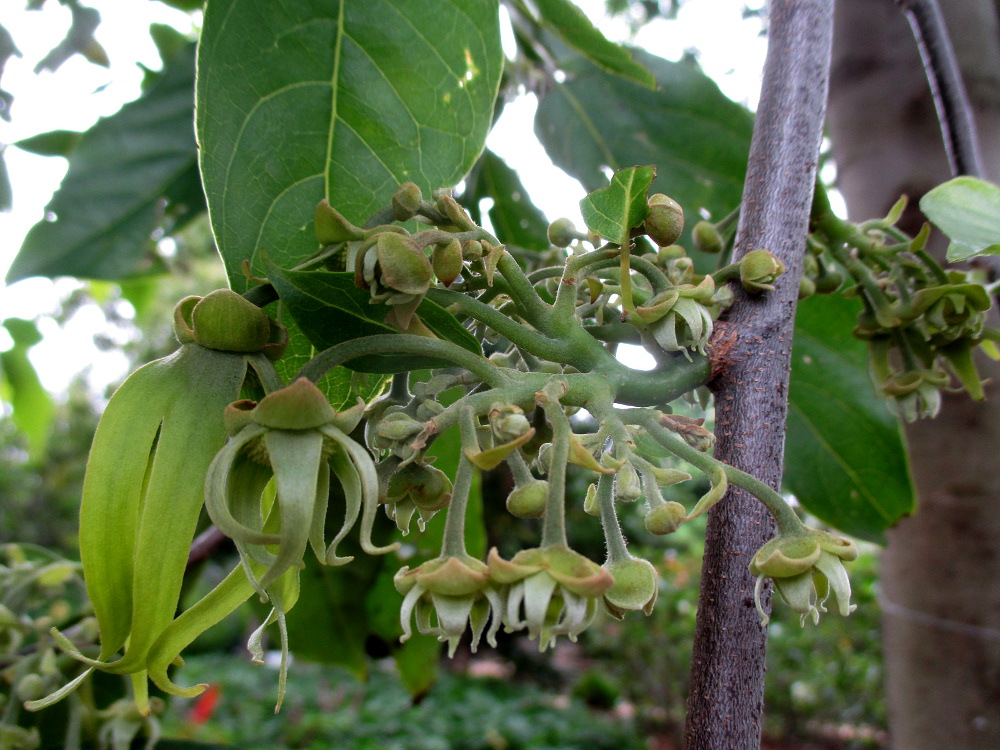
{"points": [[400, 343], [617, 549]]}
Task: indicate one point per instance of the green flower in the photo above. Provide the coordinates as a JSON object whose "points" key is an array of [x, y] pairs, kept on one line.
{"points": [[551, 590], [806, 568], [295, 437], [446, 593]]}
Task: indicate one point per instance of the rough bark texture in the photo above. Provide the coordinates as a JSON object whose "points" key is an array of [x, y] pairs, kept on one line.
{"points": [[941, 570], [725, 704]]}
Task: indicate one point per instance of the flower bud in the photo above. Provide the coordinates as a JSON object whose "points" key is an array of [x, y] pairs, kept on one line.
{"points": [[472, 250], [759, 269], [665, 519], [508, 422], [635, 587], [397, 426], [406, 201], [807, 287], [627, 485], [562, 232], [447, 261], [528, 500], [706, 238], [30, 687], [665, 220]]}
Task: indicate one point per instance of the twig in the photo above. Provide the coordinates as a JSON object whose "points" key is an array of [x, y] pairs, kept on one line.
{"points": [[958, 128]]}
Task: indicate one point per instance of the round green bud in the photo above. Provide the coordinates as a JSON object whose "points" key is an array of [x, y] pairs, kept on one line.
{"points": [[562, 232], [397, 426], [665, 220], [706, 238], [30, 687], [665, 519], [406, 201], [528, 500], [807, 287], [759, 269], [829, 280], [635, 586]]}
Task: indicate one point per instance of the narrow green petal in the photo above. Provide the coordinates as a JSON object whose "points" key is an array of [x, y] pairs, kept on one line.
{"points": [[231, 592], [317, 531], [295, 459], [369, 493], [233, 491], [112, 496], [191, 435], [59, 694], [350, 482]]}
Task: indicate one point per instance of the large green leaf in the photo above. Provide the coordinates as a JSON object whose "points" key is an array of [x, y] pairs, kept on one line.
{"points": [[124, 169], [340, 100], [844, 455], [967, 210], [330, 309], [697, 138], [571, 25], [612, 211]]}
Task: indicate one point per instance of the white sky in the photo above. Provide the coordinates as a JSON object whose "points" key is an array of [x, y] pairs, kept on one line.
{"points": [[79, 93]]}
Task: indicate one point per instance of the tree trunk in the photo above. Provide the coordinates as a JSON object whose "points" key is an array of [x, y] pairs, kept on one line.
{"points": [[940, 578], [725, 703]]}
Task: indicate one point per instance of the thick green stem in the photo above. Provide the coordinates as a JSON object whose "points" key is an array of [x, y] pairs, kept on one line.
{"points": [[535, 310], [392, 343], [522, 337]]}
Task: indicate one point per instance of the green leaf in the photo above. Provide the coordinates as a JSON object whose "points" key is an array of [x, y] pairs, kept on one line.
{"points": [[417, 661], [614, 210], [33, 409], [110, 205], [52, 143], [844, 455], [330, 309], [339, 100], [967, 210], [697, 138], [515, 219], [571, 25]]}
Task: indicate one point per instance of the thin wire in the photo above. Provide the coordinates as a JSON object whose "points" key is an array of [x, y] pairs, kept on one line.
{"points": [[898, 610]]}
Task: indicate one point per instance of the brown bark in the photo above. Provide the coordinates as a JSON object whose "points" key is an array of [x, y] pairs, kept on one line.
{"points": [[725, 703], [940, 573]]}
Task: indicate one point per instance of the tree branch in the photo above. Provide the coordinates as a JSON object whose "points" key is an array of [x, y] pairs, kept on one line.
{"points": [[725, 704], [958, 129]]}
